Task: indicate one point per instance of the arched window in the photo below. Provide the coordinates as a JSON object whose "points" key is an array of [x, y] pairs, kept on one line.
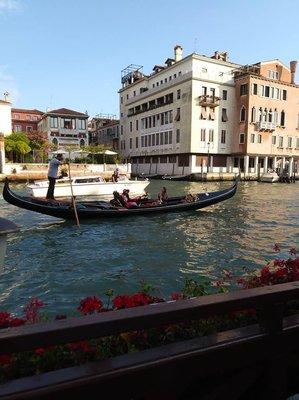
{"points": [[55, 142], [270, 115], [265, 115], [282, 118], [275, 120], [243, 114], [253, 114]]}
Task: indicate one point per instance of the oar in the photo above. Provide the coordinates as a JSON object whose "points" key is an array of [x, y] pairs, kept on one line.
{"points": [[73, 197]]}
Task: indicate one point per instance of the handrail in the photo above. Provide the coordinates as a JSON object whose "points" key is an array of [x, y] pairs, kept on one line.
{"points": [[267, 299]]}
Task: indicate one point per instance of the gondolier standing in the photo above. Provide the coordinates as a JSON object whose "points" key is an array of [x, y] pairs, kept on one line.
{"points": [[52, 174]]}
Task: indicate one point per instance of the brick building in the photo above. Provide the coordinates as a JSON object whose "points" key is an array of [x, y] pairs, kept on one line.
{"points": [[24, 120]]}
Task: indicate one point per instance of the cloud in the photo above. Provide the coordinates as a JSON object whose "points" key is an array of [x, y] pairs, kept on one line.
{"points": [[9, 6]]}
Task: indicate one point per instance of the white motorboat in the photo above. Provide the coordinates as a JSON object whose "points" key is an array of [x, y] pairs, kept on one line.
{"points": [[270, 176], [88, 186]]}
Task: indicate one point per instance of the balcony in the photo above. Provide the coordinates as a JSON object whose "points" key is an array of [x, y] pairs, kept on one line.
{"points": [[266, 126], [209, 101]]}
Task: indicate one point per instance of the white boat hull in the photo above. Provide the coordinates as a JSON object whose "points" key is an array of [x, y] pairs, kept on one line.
{"points": [[63, 188], [269, 177]]}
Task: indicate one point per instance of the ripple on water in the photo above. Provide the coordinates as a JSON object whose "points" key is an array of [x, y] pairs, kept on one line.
{"points": [[62, 264]]}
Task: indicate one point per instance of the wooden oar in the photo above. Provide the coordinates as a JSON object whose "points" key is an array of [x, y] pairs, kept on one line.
{"points": [[73, 197]]}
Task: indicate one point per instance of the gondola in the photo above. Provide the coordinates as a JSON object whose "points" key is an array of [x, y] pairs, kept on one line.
{"points": [[100, 209]]}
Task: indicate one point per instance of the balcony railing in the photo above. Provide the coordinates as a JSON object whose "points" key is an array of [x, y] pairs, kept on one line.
{"points": [[209, 101], [266, 126]]}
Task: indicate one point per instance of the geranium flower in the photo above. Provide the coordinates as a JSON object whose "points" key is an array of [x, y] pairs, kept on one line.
{"points": [[40, 351], [177, 296], [32, 308], [89, 305]]}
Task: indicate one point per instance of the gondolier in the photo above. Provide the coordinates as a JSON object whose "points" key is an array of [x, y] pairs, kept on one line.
{"points": [[53, 174]]}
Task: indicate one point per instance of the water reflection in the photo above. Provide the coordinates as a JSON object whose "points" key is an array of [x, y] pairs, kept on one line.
{"points": [[61, 263]]}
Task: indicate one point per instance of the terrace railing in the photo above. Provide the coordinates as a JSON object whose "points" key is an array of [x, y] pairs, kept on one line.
{"points": [[257, 361]]}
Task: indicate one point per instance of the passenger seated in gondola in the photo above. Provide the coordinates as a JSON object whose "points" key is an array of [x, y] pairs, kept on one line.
{"points": [[117, 200], [163, 196], [129, 203]]}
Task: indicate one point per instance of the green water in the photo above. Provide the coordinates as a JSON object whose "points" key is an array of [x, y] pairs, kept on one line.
{"points": [[62, 264]]}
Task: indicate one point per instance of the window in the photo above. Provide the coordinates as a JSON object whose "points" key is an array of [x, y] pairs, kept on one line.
{"points": [[204, 70], [243, 89], [165, 137], [282, 118], [136, 124], [172, 159], [131, 126], [290, 142], [174, 76], [170, 137], [274, 140], [18, 128], [127, 96], [183, 160], [28, 128], [178, 136], [145, 141], [204, 90], [224, 115], [153, 139], [28, 117], [223, 136], [284, 94], [297, 143], [259, 138], [165, 80], [121, 130], [243, 114], [136, 143], [254, 89], [202, 135], [203, 114], [224, 95], [157, 139], [211, 135], [17, 116], [267, 91], [149, 140], [131, 143], [68, 123], [178, 114], [212, 114], [252, 137], [178, 94], [142, 141], [163, 159], [53, 122], [242, 138], [253, 114], [81, 124], [134, 93], [161, 138], [121, 100], [280, 141]]}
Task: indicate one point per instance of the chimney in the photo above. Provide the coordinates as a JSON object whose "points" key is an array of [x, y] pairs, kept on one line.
{"points": [[293, 65], [178, 53]]}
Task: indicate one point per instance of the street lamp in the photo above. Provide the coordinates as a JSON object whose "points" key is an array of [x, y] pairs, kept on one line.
{"points": [[208, 167]]}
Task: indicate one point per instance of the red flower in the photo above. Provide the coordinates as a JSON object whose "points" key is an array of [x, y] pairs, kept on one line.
{"points": [[17, 322], [40, 351], [32, 308], [276, 247], [177, 296], [89, 305], [4, 319], [83, 345], [5, 359]]}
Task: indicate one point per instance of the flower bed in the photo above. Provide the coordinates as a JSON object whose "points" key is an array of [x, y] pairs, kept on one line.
{"points": [[60, 356]]}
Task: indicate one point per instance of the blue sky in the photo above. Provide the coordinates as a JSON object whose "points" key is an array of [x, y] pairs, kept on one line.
{"points": [[70, 53]]}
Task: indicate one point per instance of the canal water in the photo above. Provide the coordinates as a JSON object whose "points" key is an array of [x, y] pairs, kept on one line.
{"points": [[62, 264]]}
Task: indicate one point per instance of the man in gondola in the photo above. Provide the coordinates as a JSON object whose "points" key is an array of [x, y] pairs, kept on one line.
{"points": [[53, 174]]}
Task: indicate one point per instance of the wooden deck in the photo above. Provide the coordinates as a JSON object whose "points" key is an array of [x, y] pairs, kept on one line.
{"points": [[259, 361]]}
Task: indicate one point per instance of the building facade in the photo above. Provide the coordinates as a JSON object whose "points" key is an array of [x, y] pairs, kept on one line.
{"points": [[5, 117], [65, 127], [180, 119], [24, 120], [267, 130], [104, 129]]}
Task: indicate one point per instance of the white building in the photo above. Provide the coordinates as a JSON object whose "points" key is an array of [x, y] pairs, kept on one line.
{"points": [[5, 117], [65, 127], [180, 119]]}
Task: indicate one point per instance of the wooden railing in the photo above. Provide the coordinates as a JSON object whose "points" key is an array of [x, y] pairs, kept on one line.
{"points": [[257, 361]]}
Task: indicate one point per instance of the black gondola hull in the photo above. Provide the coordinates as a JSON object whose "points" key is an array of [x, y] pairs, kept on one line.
{"points": [[93, 210]]}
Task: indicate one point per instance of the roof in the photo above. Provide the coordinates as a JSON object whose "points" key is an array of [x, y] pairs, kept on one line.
{"points": [[66, 111], [4, 102], [28, 111]]}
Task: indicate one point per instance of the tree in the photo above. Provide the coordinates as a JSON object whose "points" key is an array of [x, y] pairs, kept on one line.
{"points": [[16, 146]]}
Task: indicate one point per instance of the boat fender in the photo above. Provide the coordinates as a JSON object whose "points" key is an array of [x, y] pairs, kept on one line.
{"points": [[207, 194]]}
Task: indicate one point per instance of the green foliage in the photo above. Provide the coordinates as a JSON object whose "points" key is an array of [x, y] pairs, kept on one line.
{"points": [[16, 145]]}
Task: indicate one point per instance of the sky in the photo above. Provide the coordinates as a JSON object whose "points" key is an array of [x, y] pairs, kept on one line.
{"points": [[70, 53]]}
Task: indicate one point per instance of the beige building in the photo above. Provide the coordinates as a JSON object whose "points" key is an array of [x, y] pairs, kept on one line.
{"points": [[104, 129], [65, 127], [5, 117], [267, 119], [179, 119]]}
